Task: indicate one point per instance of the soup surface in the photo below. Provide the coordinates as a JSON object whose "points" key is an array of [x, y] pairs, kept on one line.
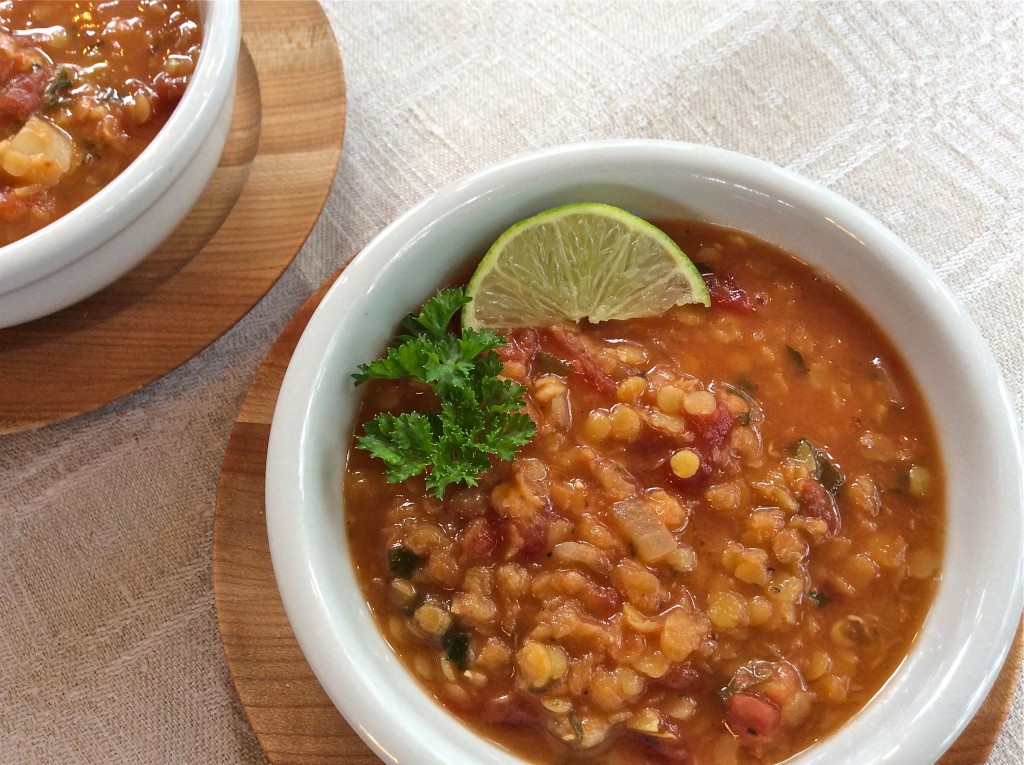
{"points": [[721, 542], [84, 88]]}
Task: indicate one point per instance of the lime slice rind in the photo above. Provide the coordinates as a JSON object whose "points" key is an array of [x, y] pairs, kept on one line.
{"points": [[583, 261]]}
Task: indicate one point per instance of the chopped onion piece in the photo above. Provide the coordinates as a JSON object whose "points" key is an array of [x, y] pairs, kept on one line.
{"points": [[38, 153], [583, 553], [666, 423], [559, 408], [652, 539]]}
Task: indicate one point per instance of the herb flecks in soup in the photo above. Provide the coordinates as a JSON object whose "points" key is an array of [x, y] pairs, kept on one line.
{"points": [[721, 542], [84, 88]]}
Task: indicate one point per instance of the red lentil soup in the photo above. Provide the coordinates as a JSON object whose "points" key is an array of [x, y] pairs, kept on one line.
{"points": [[84, 88], [720, 544]]}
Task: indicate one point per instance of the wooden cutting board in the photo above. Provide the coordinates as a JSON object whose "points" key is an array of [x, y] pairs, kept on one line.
{"points": [[267, 192], [293, 718]]}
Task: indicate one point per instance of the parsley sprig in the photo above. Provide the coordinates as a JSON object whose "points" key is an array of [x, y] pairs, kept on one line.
{"points": [[481, 415]]}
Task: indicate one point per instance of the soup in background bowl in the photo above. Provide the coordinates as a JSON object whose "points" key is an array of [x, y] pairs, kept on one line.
{"points": [[84, 88], [113, 119], [955, 658]]}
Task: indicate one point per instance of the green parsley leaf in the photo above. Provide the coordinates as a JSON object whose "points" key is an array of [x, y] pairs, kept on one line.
{"points": [[403, 561], [577, 728], [436, 314], [823, 468], [820, 598], [456, 647], [56, 93], [480, 415], [798, 360], [405, 443]]}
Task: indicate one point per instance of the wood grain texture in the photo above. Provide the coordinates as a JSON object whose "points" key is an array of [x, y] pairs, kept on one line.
{"points": [[293, 718], [266, 194]]}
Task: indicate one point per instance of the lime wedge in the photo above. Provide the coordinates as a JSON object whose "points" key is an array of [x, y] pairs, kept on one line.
{"points": [[581, 261]]}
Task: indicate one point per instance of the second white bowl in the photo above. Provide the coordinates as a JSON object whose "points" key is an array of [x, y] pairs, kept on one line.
{"points": [[104, 238]]}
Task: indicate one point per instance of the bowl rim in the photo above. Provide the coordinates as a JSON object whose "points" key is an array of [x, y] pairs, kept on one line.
{"points": [[289, 473], [98, 219]]}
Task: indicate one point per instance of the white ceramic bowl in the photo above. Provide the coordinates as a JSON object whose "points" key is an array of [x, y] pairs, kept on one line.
{"points": [[935, 691], [105, 237]]}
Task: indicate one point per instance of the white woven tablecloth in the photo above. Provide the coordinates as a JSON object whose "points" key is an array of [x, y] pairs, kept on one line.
{"points": [[109, 649]]}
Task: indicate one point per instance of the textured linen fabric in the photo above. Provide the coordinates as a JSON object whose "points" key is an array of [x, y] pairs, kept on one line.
{"points": [[109, 650]]}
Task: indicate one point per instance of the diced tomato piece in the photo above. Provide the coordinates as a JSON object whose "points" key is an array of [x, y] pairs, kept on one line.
{"points": [[12, 207], [520, 347], [525, 536], [566, 345], [477, 541], [169, 90], [601, 601], [698, 480], [680, 677], [513, 709], [711, 431], [714, 427], [751, 716], [818, 503], [22, 94], [726, 294]]}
